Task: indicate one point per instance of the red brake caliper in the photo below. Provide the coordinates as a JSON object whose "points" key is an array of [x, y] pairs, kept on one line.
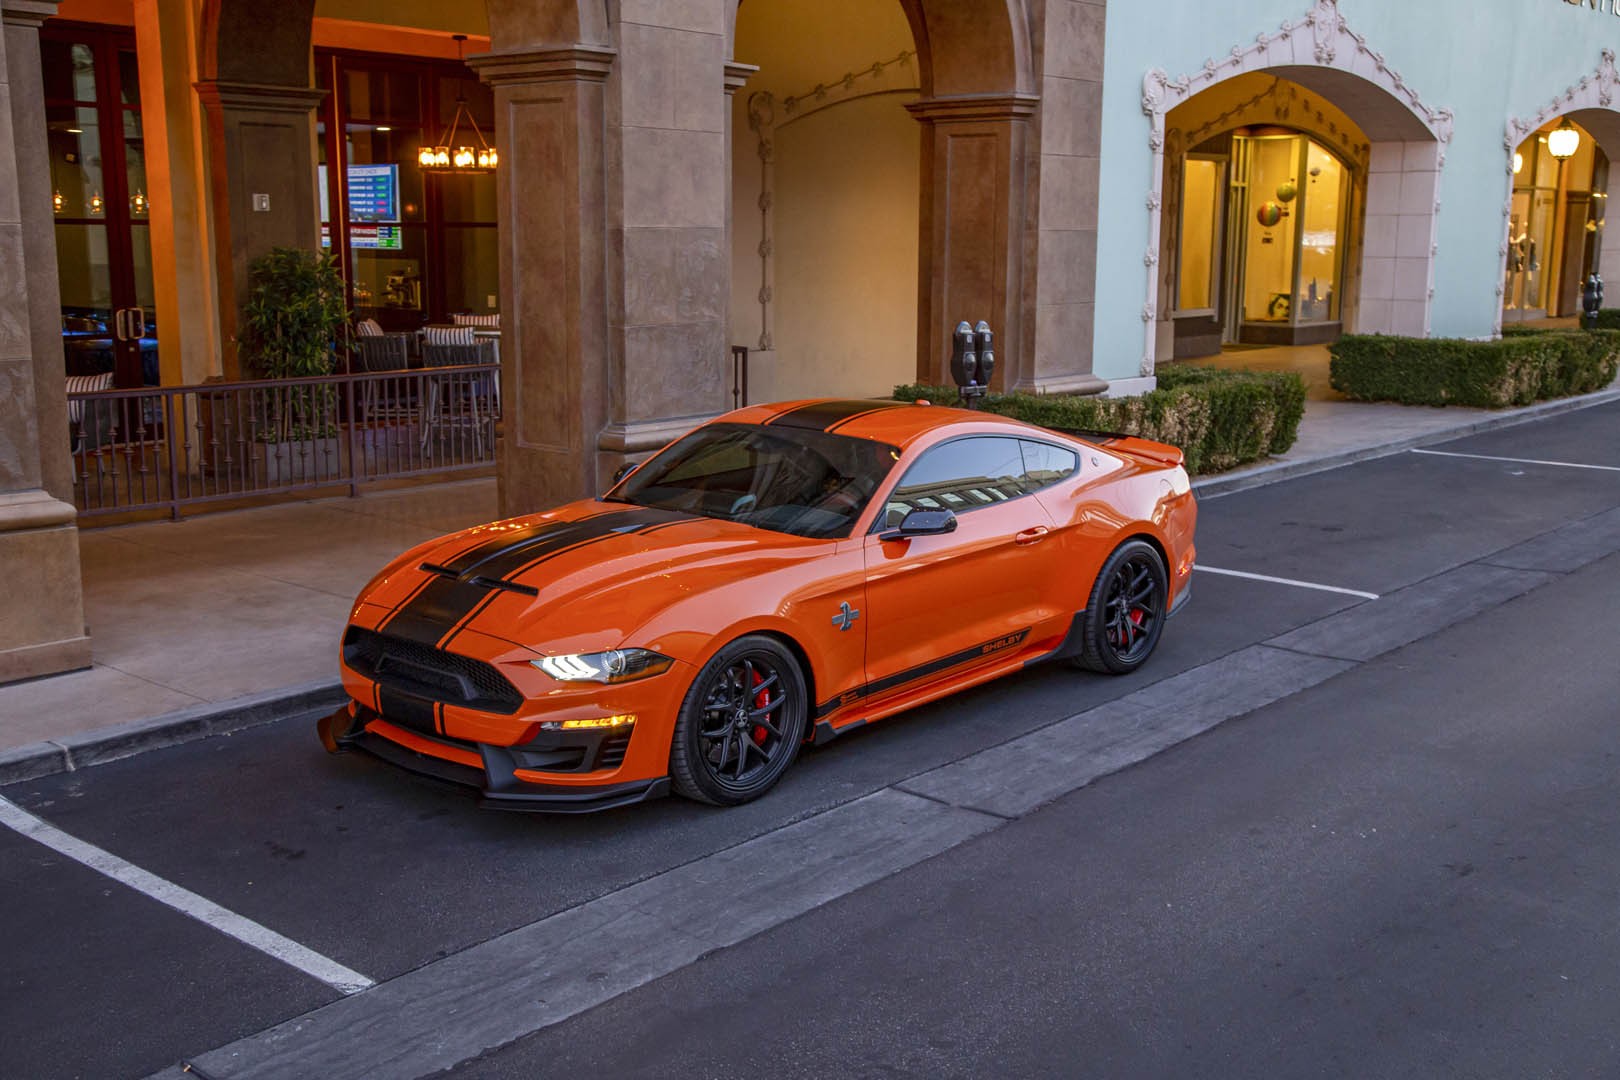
{"points": [[761, 699]]}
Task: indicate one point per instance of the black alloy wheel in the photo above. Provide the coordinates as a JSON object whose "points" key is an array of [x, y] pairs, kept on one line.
{"points": [[741, 724], [1126, 611]]}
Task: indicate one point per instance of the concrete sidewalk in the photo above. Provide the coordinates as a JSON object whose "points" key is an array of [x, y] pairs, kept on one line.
{"points": [[221, 621]]}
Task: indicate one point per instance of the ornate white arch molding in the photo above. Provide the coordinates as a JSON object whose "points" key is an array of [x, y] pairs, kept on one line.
{"points": [[1321, 38], [1594, 91]]}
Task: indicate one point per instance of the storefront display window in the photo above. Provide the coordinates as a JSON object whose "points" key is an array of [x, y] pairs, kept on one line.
{"points": [[1294, 218], [406, 238], [1202, 197], [1553, 222]]}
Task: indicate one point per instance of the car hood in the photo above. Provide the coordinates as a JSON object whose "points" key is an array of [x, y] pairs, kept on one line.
{"points": [[579, 578]]}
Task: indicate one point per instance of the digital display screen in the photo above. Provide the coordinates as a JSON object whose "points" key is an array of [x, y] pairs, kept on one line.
{"points": [[386, 237], [374, 194]]}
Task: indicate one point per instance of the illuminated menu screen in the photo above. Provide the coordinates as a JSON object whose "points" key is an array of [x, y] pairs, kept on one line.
{"points": [[373, 192]]}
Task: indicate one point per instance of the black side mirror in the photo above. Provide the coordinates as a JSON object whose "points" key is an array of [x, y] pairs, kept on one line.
{"points": [[920, 522]]}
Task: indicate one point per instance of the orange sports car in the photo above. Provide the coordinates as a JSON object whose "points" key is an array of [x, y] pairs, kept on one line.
{"points": [[778, 576]]}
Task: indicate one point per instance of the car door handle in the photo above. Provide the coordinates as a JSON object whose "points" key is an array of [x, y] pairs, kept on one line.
{"points": [[1030, 536]]}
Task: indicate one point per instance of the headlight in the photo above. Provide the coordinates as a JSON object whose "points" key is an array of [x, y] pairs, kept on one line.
{"points": [[613, 666]]}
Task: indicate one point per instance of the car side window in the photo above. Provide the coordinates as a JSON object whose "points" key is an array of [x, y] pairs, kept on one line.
{"points": [[961, 475], [1045, 464]]}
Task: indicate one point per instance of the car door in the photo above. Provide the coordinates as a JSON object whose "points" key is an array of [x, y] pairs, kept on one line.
{"points": [[956, 599]]}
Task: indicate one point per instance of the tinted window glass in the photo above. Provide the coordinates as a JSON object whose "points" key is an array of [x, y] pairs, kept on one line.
{"points": [[1045, 464], [807, 483], [961, 475]]}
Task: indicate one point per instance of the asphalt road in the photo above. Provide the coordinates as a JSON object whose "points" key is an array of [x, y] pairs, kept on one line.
{"points": [[1183, 916]]}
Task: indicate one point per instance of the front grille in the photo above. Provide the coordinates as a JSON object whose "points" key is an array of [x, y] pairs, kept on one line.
{"points": [[426, 672]]}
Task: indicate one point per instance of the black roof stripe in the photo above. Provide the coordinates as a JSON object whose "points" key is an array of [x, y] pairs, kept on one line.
{"points": [[825, 415]]}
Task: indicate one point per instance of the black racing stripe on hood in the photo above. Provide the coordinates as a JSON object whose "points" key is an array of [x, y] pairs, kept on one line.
{"points": [[434, 613], [825, 415]]}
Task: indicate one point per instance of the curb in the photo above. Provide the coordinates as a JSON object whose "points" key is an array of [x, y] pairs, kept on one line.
{"points": [[75, 752], [1261, 475]]}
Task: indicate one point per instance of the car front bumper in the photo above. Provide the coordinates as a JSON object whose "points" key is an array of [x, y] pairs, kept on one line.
{"points": [[496, 772]]}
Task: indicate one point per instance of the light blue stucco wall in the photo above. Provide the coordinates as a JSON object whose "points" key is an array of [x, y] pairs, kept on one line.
{"points": [[1483, 59]]}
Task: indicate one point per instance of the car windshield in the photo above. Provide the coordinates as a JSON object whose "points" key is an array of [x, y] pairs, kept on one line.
{"points": [[789, 480]]}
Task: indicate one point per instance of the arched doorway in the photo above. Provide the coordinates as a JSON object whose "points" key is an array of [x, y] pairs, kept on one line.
{"points": [[966, 80], [1386, 274], [1265, 187]]}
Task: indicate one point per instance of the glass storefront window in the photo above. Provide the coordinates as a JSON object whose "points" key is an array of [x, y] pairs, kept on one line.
{"points": [[84, 270], [417, 247], [1201, 199], [140, 199], [385, 267], [471, 269], [69, 70], [383, 95], [1322, 217], [1268, 280], [74, 134]]}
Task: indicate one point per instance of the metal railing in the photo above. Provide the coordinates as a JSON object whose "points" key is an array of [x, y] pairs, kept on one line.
{"points": [[169, 447]]}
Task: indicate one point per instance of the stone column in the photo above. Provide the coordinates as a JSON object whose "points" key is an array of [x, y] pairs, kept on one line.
{"points": [[1070, 152], [261, 172], [972, 252], [668, 188], [552, 209], [43, 629], [166, 40]]}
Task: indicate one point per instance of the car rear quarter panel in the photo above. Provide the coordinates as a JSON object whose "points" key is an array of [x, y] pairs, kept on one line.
{"points": [[1114, 498]]}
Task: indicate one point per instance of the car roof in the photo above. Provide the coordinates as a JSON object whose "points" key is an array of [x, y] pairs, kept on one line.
{"points": [[896, 423]]}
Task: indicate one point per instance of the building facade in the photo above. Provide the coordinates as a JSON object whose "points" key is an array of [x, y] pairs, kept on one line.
{"points": [[832, 184]]}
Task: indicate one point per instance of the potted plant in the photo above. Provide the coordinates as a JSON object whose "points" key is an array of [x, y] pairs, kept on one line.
{"points": [[295, 326]]}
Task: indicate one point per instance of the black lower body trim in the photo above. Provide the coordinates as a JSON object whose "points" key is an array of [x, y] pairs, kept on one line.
{"points": [[498, 787], [1072, 645], [1182, 597]]}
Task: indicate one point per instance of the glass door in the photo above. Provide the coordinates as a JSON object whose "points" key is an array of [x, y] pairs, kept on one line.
{"points": [[101, 203], [1288, 209]]}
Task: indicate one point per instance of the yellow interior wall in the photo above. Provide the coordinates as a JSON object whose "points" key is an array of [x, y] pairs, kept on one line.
{"points": [[845, 204]]}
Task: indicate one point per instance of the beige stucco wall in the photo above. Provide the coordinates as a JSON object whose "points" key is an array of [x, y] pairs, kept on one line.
{"points": [[843, 187]]}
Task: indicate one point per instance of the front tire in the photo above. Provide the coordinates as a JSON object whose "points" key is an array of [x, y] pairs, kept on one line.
{"points": [[741, 723], [1126, 611]]}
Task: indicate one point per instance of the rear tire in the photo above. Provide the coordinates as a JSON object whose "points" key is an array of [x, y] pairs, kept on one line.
{"points": [[741, 723], [1126, 611]]}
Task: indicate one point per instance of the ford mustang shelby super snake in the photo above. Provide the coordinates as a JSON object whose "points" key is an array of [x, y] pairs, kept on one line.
{"points": [[778, 576]]}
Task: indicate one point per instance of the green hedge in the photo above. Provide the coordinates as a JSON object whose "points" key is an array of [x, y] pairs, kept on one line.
{"points": [[1516, 370], [1218, 418]]}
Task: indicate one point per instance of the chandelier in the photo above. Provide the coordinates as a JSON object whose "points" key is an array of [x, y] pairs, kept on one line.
{"points": [[455, 152]]}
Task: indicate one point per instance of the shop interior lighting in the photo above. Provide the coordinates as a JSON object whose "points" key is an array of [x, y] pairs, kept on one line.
{"points": [[454, 152]]}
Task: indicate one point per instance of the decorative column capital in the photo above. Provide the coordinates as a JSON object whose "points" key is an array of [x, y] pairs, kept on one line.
{"points": [[27, 12], [260, 97], [738, 74], [565, 63], [960, 108]]}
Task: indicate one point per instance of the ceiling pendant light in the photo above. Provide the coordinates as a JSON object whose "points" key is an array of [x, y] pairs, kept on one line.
{"points": [[455, 153]]}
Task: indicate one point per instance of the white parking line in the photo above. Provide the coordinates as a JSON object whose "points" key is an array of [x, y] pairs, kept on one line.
{"points": [[1519, 460], [185, 901], [1286, 581]]}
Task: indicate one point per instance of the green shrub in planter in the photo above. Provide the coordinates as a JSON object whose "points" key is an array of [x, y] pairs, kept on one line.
{"points": [[1515, 370], [1218, 418]]}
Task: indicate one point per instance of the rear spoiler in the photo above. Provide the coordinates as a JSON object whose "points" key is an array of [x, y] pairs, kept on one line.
{"points": [[1146, 449]]}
